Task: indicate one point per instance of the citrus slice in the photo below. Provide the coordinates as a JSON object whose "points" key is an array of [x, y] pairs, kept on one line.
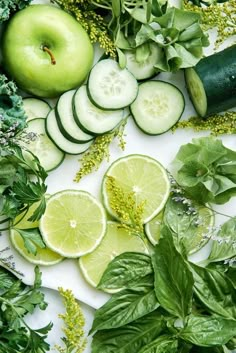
{"points": [[116, 241], [143, 177], [44, 256], [153, 227], [74, 223]]}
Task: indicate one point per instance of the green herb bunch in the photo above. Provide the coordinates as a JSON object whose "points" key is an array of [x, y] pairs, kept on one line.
{"points": [[22, 178], [167, 303], [17, 300], [8, 7]]}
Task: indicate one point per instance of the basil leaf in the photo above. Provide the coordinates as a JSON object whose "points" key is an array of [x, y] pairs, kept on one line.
{"points": [[129, 338], [207, 331], [207, 350], [162, 344], [126, 306], [124, 269], [173, 279], [215, 291], [224, 244]]}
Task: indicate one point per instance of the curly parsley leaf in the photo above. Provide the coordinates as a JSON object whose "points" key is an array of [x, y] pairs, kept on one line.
{"points": [[8, 7]]}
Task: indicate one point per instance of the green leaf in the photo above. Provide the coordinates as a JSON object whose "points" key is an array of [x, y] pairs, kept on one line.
{"points": [[207, 350], [124, 269], [126, 306], [32, 239], [192, 173], [129, 338], [224, 244], [173, 279], [215, 291], [162, 344], [207, 331]]}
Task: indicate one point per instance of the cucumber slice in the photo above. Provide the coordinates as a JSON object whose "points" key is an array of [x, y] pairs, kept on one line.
{"points": [[66, 120], [35, 108], [56, 136], [158, 106], [143, 69], [110, 87], [92, 119], [212, 82], [49, 155]]}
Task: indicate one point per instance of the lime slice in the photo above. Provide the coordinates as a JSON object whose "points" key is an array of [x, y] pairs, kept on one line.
{"points": [[143, 176], [44, 256], [74, 223], [116, 241], [152, 228]]}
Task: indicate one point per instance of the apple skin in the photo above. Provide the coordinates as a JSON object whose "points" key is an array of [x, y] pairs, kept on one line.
{"points": [[25, 61]]}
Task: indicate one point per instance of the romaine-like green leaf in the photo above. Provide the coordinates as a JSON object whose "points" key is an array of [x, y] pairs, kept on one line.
{"points": [[207, 331], [173, 279], [129, 338], [124, 269]]}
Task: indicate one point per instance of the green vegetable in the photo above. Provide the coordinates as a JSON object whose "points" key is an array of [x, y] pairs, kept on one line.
{"points": [[8, 7], [224, 242], [129, 338], [179, 35], [174, 295], [195, 306], [17, 300], [127, 306], [124, 270], [205, 169], [212, 82]]}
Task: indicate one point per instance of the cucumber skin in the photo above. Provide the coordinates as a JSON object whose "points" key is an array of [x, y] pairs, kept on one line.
{"points": [[218, 75]]}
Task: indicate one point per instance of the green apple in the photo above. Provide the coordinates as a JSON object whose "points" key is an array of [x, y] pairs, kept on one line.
{"points": [[46, 51]]}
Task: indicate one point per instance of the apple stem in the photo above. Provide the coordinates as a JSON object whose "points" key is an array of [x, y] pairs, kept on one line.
{"points": [[53, 60]]}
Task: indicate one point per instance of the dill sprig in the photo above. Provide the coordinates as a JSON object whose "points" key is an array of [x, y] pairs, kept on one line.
{"points": [[217, 124], [124, 205], [219, 15], [91, 21], [74, 340], [99, 151]]}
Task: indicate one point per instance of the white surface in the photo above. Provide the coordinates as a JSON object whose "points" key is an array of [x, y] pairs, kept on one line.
{"points": [[67, 274]]}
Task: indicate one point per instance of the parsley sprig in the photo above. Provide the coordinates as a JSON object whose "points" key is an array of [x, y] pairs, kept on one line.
{"points": [[17, 300]]}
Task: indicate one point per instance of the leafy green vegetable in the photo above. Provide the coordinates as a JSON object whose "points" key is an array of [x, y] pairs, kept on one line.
{"points": [[204, 168], [208, 331], [215, 291], [8, 7], [224, 243], [126, 306], [173, 279], [124, 270], [21, 183], [129, 338], [179, 35], [17, 300]]}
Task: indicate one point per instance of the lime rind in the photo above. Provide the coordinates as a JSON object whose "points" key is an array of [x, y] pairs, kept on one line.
{"points": [[157, 185], [74, 223]]}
